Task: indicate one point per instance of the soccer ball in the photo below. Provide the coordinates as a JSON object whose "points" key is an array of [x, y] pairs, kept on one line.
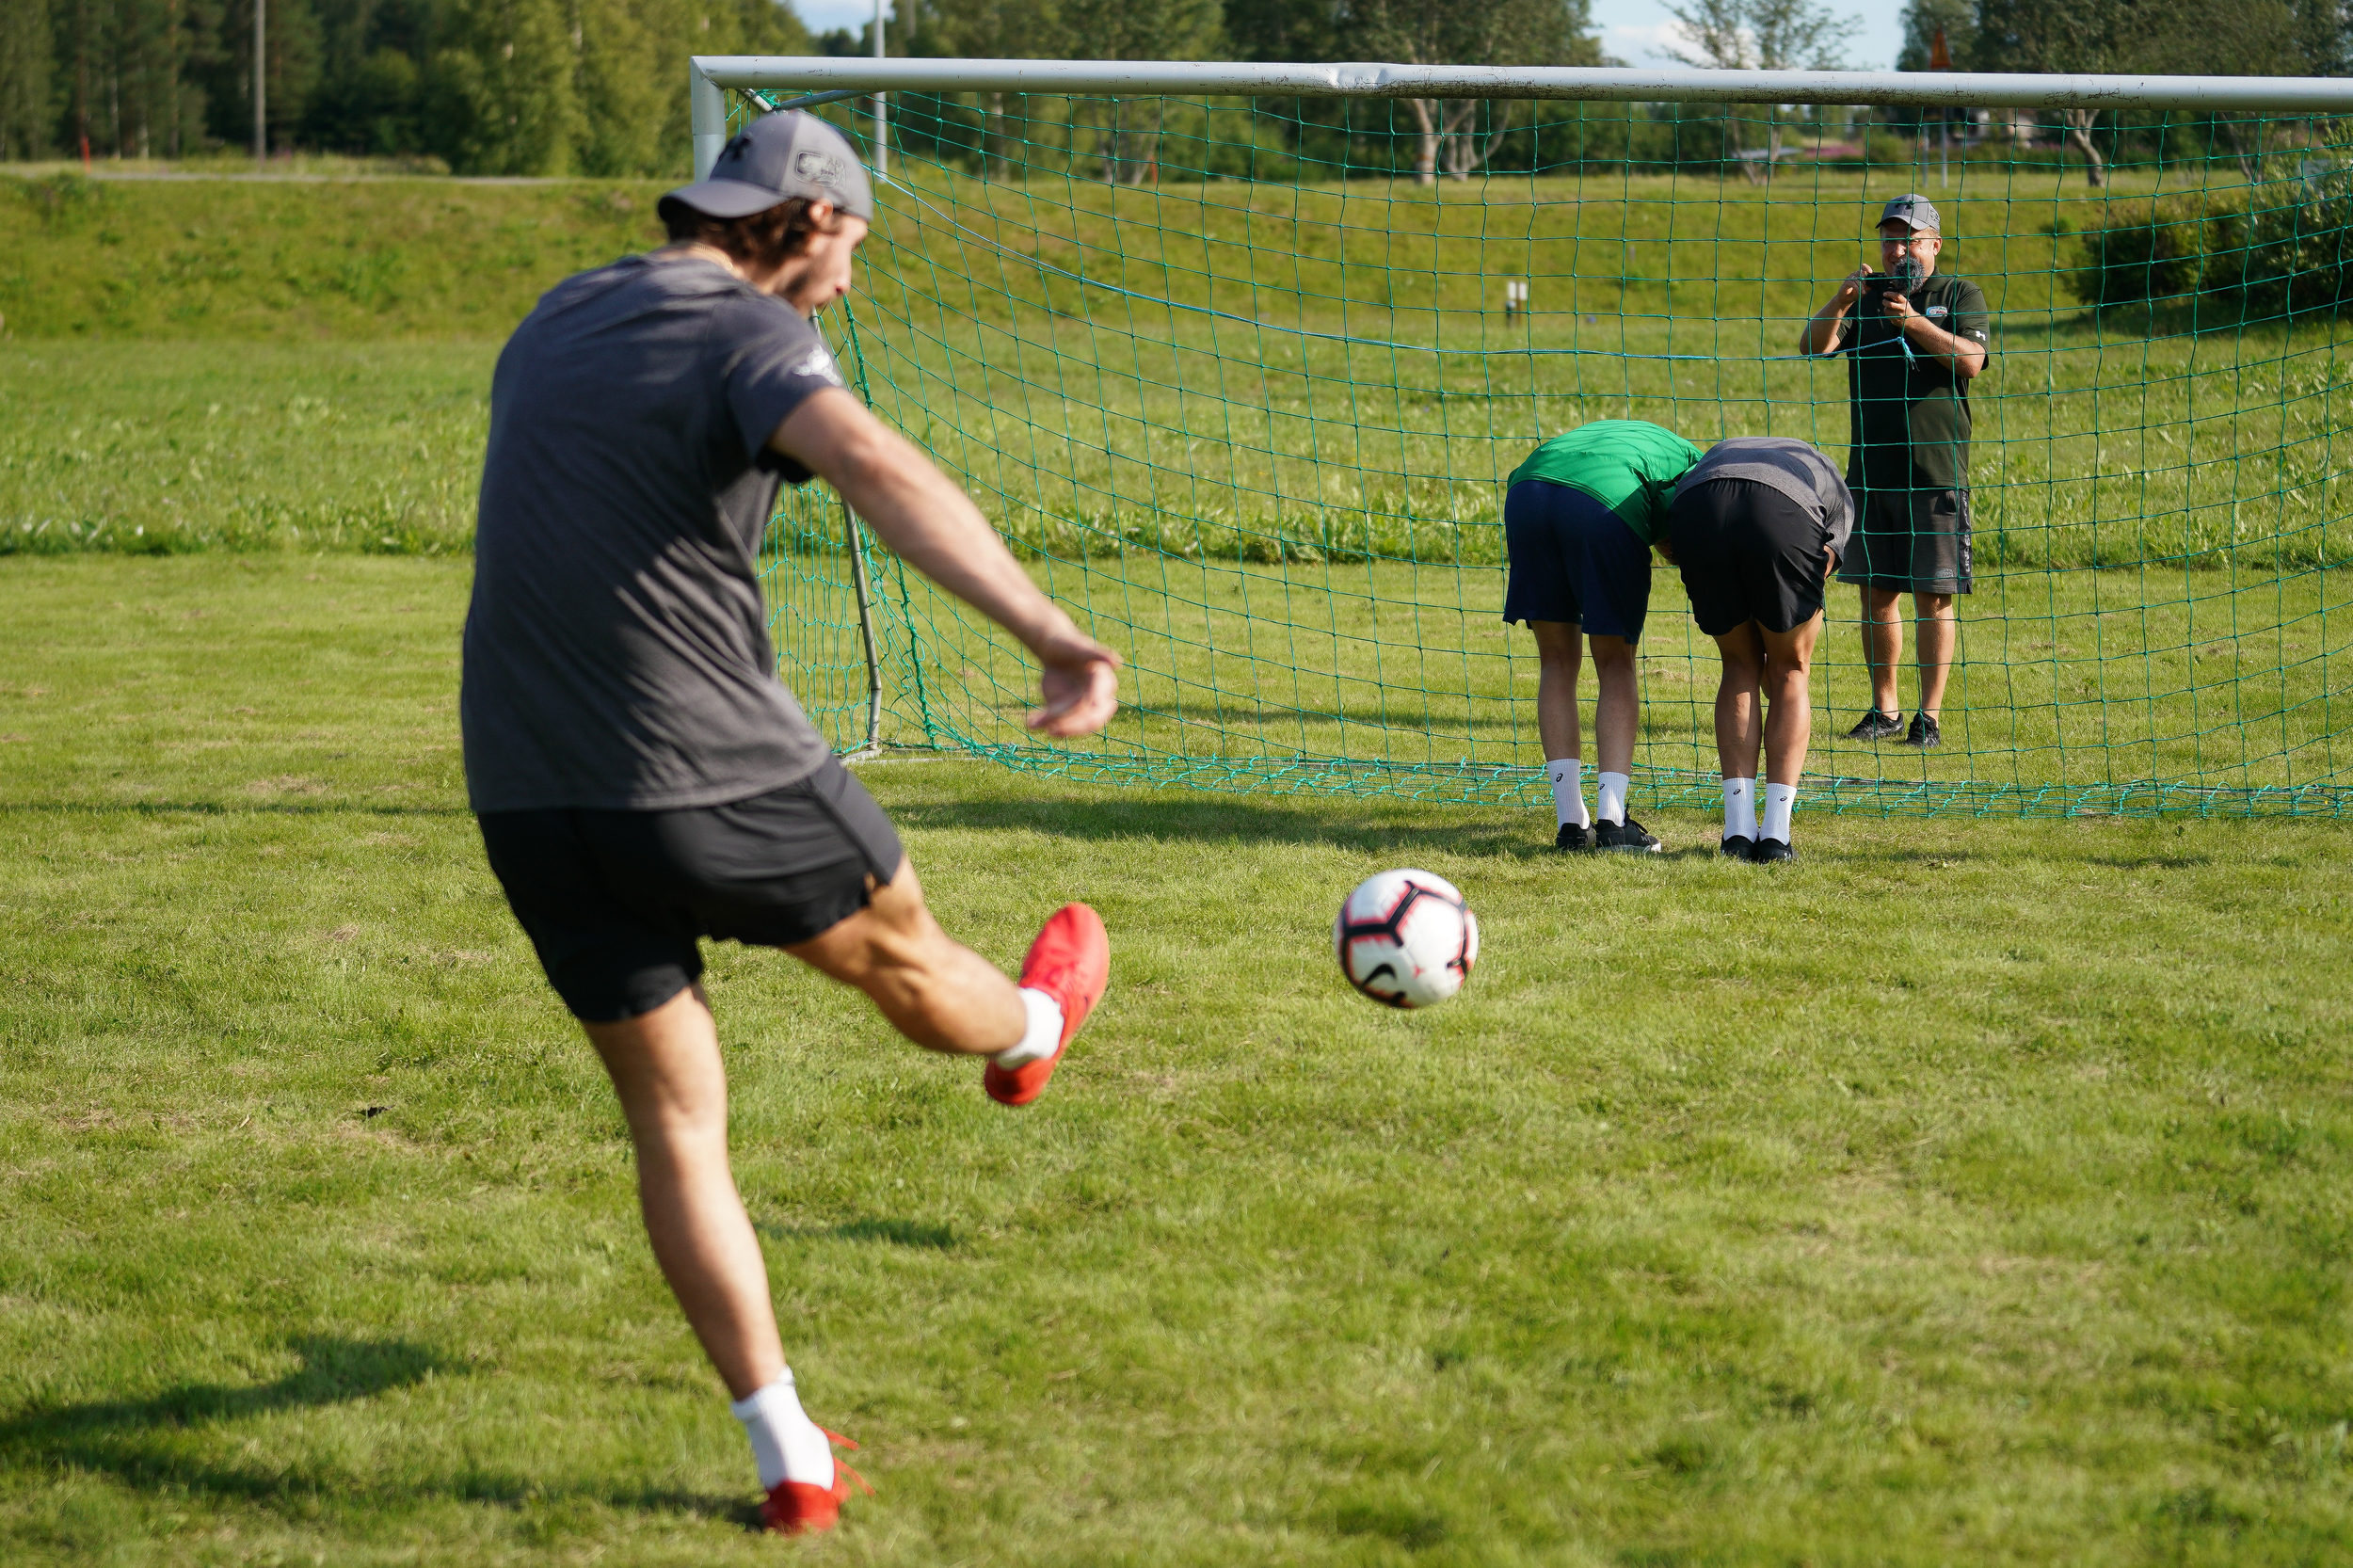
{"points": [[1406, 939]]}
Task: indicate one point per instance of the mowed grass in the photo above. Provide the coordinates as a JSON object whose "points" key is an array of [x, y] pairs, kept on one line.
{"points": [[2214, 674], [1964, 1193]]}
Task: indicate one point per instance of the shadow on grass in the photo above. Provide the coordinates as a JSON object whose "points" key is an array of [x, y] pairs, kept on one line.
{"points": [[1217, 820], [897, 1233], [169, 1442]]}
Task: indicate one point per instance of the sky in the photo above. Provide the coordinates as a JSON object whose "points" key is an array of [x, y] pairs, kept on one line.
{"points": [[1631, 29]]}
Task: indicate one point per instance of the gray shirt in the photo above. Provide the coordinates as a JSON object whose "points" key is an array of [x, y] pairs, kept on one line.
{"points": [[1790, 466], [617, 653]]}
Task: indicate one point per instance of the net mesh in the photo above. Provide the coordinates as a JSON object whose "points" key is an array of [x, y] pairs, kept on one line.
{"points": [[1243, 391]]}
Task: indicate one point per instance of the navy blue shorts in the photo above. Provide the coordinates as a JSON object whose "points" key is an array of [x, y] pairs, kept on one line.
{"points": [[1573, 559]]}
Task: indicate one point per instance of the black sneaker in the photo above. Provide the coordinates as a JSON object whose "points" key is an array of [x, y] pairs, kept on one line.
{"points": [[1770, 851], [1875, 726], [1737, 847], [1924, 732], [1627, 836], [1572, 838]]}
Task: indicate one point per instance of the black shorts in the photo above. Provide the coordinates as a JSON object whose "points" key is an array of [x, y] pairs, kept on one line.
{"points": [[1911, 541], [1573, 560], [1748, 552], [616, 902]]}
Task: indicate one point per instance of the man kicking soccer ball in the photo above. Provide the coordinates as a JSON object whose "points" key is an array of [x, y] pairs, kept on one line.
{"points": [[1757, 528], [1579, 518], [641, 777]]}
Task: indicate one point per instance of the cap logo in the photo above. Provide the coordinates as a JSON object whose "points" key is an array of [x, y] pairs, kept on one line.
{"points": [[818, 169]]}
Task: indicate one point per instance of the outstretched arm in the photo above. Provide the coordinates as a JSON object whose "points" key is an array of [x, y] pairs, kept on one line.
{"points": [[920, 513]]}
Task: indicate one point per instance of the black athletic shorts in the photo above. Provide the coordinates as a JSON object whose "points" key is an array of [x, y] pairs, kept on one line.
{"points": [[1912, 541], [616, 902], [1747, 553]]}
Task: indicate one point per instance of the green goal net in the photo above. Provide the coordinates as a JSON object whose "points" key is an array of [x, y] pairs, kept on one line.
{"points": [[1242, 377]]}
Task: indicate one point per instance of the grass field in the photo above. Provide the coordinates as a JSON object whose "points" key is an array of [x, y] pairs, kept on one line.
{"points": [[1966, 1193]]}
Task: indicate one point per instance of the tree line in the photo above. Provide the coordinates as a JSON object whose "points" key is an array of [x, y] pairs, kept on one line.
{"points": [[597, 86]]}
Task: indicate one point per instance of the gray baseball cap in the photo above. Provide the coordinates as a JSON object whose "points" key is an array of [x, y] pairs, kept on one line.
{"points": [[1915, 212], [775, 158]]}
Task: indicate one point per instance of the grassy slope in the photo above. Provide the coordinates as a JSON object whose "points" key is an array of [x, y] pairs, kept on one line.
{"points": [[1966, 1192], [225, 260]]}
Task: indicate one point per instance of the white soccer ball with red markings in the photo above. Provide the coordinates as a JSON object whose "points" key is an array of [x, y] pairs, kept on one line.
{"points": [[1406, 939]]}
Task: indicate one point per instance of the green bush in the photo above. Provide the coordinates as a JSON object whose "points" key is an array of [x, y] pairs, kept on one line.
{"points": [[2292, 257]]}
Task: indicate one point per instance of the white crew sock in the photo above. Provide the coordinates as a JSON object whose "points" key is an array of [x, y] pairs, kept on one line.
{"points": [[1039, 1036], [1780, 799], [786, 1443], [1613, 788], [1740, 808], [1568, 791]]}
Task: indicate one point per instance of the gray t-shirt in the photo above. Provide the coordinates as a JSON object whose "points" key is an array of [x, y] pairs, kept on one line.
{"points": [[1790, 466], [617, 655]]}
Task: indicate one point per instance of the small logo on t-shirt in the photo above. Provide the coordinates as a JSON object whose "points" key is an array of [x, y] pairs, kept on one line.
{"points": [[1936, 310], [818, 364]]}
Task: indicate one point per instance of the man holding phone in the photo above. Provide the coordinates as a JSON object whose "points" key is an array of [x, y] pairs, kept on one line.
{"points": [[1915, 337]]}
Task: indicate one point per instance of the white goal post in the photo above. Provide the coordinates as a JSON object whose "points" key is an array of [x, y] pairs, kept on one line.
{"points": [[829, 79]]}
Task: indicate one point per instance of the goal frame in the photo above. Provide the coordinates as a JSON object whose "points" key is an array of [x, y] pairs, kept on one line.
{"points": [[769, 83], [826, 79]]}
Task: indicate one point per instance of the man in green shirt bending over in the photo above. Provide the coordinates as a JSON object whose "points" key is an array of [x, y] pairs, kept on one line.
{"points": [[1580, 518]]}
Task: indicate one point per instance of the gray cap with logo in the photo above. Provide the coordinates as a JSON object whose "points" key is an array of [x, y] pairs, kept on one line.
{"points": [[1915, 212], [775, 158]]}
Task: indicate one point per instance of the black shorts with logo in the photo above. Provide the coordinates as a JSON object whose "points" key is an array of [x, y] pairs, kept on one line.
{"points": [[617, 902], [1747, 553], [1911, 541]]}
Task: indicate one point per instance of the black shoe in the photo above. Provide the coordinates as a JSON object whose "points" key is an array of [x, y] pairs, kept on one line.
{"points": [[1627, 835], [1768, 851], [1571, 838], [1737, 847], [1875, 726], [1924, 732]]}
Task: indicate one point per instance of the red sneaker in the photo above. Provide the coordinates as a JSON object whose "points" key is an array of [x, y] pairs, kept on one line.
{"points": [[1071, 962], [796, 1507]]}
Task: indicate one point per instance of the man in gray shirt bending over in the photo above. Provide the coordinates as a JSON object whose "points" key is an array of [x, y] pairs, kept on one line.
{"points": [[644, 781], [1757, 528]]}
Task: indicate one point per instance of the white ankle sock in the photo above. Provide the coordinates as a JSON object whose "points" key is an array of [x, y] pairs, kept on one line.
{"points": [[1040, 1036], [1613, 788], [1568, 791], [786, 1443], [1780, 800], [1740, 808]]}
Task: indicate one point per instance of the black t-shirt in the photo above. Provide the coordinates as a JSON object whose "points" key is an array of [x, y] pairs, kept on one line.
{"points": [[616, 652], [1910, 415]]}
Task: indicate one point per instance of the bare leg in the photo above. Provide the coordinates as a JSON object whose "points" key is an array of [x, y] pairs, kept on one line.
{"points": [[1618, 707], [938, 993], [665, 1068], [1789, 724], [1739, 721], [1936, 632], [1556, 661], [1882, 646]]}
